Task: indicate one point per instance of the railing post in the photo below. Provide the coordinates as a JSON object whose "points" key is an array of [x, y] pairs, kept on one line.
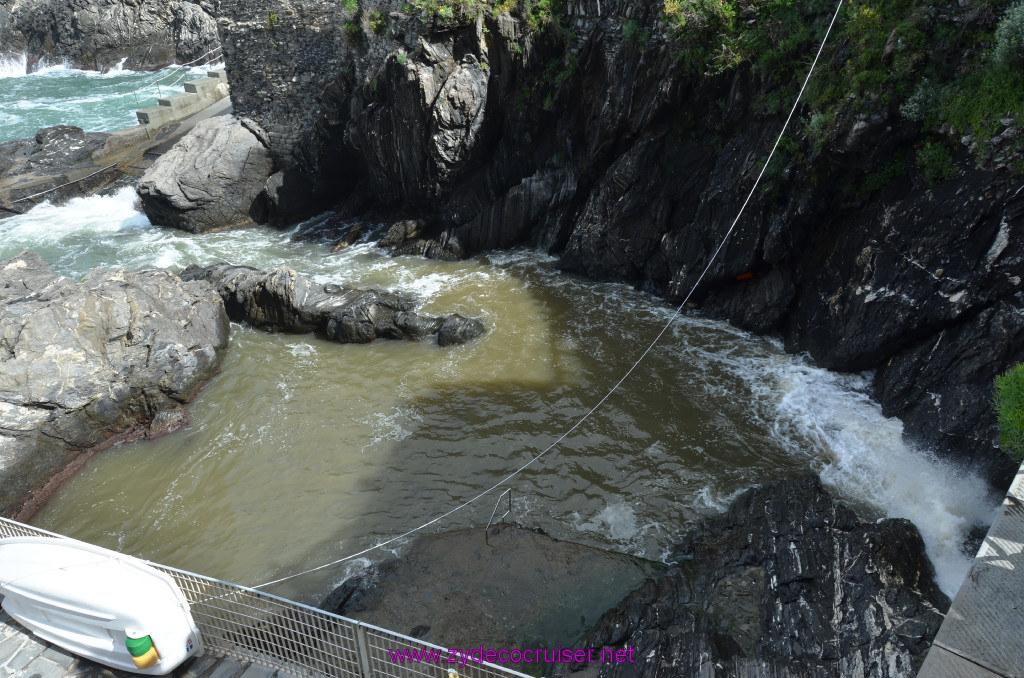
{"points": [[363, 649]]}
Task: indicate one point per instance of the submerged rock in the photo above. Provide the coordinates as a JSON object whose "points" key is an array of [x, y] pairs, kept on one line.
{"points": [[116, 354], [213, 179], [288, 301], [787, 582], [519, 588]]}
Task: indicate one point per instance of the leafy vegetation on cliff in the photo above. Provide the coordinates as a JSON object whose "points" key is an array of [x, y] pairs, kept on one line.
{"points": [[1009, 403], [538, 13], [953, 69]]}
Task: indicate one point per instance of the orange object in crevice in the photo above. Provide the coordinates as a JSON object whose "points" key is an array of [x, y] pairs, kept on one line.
{"points": [[745, 276]]}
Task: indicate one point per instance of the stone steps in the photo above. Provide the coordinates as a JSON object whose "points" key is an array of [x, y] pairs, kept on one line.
{"points": [[198, 95]]}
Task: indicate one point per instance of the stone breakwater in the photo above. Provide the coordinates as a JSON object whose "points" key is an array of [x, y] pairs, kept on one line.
{"points": [[615, 155], [113, 357]]}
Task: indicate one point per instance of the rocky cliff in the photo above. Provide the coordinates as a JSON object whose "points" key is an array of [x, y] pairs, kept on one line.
{"points": [[100, 34], [624, 136]]}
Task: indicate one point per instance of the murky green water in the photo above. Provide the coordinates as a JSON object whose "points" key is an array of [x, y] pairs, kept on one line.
{"points": [[303, 451]]}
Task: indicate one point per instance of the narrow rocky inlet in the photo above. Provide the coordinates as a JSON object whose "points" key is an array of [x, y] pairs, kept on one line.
{"points": [[798, 471]]}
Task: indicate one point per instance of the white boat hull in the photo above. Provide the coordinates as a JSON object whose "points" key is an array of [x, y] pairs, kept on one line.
{"points": [[88, 600]]}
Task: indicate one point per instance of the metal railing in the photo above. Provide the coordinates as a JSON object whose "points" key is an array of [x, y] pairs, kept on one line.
{"points": [[260, 628]]}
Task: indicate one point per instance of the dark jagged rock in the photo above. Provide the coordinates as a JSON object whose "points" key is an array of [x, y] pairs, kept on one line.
{"points": [[214, 178], [933, 386], [116, 354], [53, 150], [787, 582], [100, 34], [631, 164], [458, 329], [287, 301]]}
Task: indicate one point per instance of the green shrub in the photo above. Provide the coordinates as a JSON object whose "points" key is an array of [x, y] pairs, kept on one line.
{"points": [[451, 9], [924, 104], [354, 32], [700, 13], [632, 30], [819, 127], [935, 162], [378, 22], [1009, 405], [1009, 50], [886, 175], [351, 5]]}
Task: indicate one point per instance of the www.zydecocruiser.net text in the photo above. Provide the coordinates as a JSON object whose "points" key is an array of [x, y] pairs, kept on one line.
{"points": [[559, 655]]}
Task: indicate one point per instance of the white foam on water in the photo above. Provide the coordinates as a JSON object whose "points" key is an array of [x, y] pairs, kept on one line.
{"points": [[168, 258], [302, 350], [862, 454], [13, 66], [116, 70], [92, 214], [617, 520], [17, 67]]}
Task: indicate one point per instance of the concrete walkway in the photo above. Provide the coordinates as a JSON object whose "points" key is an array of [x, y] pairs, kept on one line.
{"points": [[983, 634], [24, 655], [126, 153]]}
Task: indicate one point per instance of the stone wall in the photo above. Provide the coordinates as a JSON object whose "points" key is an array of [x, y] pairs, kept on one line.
{"points": [[280, 58]]}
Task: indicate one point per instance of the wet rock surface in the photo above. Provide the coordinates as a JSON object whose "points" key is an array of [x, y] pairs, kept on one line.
{"points": [[519, 588], [287, 301], [117, 354], [100, 34], [787, 582], [213, 179], [49, 161]]}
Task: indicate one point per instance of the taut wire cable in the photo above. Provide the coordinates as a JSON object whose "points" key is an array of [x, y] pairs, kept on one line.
{"points": [[625, 376]]}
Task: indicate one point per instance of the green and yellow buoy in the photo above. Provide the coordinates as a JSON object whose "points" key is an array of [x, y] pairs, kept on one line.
{"points": [[142, 650]]}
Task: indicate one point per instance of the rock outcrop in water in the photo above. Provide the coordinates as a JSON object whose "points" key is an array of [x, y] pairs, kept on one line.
{"points": [[100, 34], [46, 163], [115, 355], [287, 301], [603, 136], [212, 179], [519, 588], [787, 582]]}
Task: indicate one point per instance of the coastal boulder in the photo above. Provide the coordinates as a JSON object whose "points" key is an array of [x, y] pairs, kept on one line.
{"points": [[115, 355], [287, 301], [213, 179]]}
